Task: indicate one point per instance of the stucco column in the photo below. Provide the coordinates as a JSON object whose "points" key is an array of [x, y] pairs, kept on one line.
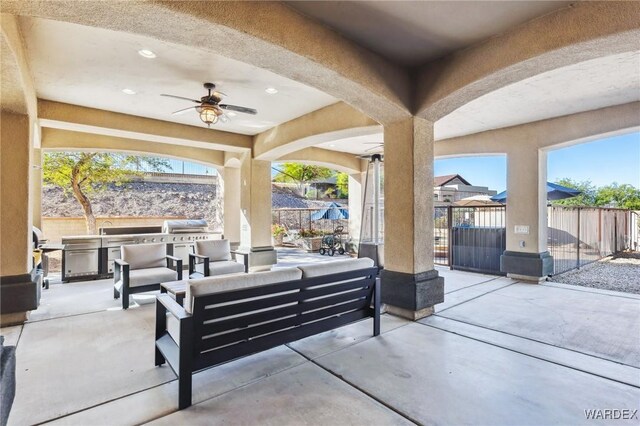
{"points": [[410, 285], [35, 197], [526, 256], [255, 225], [356, 193], [231, 198], [18, 283]]}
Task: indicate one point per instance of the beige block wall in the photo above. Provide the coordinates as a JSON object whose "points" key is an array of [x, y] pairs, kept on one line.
{"points": [[15, 215], [54, 228]]}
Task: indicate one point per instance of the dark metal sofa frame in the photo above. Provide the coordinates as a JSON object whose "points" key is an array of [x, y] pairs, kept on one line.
{"points": [[121, 270], [214, 334]]}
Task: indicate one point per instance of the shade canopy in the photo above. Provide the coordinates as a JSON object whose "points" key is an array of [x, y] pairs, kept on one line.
{"points": [[554, 192], [332, 212]]}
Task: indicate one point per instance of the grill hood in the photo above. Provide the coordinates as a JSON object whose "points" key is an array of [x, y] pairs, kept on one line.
{"points": [[185, 226]]}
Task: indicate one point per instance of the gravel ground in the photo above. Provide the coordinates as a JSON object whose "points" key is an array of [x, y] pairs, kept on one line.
{"points": [[618, 273]]}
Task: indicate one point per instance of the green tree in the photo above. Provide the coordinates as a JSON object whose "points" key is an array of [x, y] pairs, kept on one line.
{"points": [[342, 183], [622, 196], [587, 198], [85, 173], [301, 174]]}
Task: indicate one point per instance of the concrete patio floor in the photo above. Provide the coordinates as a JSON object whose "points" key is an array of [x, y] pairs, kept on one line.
{"points": [[496, 352]]}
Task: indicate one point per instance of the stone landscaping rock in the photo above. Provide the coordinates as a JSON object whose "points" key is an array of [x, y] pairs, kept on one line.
{"points": [[618, 273]]}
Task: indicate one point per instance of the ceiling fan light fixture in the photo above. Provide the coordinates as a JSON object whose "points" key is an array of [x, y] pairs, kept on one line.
{"points": [[208, 114]]}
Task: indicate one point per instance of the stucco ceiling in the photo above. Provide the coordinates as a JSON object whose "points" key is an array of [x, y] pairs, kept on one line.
{"points": [[589, 85], [415, 32], [90, 67]]}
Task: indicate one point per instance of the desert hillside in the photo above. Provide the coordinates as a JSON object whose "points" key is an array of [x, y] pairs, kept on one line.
{"points": [[139, 199]]}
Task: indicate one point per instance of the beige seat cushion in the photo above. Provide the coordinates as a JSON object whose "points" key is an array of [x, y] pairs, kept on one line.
{"points": [[140, 277], [142, 256], [215, 250], [221, 283], [335, 267], [221, 267]]}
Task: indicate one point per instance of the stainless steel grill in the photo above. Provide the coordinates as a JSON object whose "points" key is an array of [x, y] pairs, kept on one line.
{"points": [[184, 234], [185, 226], [81, 257]]}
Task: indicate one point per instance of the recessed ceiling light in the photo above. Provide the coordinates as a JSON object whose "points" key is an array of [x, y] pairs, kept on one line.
{"points": [[128, 91], [331, 145], [271, 90], [231, 114], [146, 53]]}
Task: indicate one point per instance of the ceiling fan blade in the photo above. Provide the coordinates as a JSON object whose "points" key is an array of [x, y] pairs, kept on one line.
{"points": [[182, 111], [220, 94], [373, 149], [238, 109], [180, 97]]}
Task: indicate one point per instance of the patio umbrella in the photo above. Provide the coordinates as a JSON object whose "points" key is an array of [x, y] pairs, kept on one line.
{"points": [[331, 212], [554, 192], [476, 200]]}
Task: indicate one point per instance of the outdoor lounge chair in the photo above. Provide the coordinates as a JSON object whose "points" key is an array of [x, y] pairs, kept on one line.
{"points": [[142, 268], [213, 257]]}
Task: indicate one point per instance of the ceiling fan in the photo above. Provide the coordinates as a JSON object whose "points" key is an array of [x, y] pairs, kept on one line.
{"points": [[209, 107]]}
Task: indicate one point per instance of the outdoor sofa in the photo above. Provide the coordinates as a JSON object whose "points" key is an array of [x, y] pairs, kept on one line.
{"points": [[231, 316]]}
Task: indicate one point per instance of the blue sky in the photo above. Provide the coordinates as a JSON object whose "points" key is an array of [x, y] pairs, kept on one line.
{"points": [[615, 159]]}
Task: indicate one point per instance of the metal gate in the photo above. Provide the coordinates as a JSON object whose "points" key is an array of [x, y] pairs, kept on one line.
{"points": [[470, 238]]}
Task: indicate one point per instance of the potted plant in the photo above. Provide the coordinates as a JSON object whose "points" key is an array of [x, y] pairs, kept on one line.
{"points": [[278, 232], [310, 240]]}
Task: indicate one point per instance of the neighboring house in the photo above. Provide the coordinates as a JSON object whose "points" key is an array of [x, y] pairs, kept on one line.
{"points": [[450, 188]]}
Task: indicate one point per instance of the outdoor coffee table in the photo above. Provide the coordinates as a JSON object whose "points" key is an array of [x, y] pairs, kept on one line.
{"points": [[177, 288]]}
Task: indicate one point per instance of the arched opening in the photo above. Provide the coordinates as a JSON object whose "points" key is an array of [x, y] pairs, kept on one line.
{"points": [[311, 208], [469, 227], [602, 220], [122, 194]]}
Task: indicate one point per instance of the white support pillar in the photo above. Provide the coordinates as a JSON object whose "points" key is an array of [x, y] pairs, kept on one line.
{"points": [[231, 195], [356, 197], [526, 256], [410, 285], [255, 225]]}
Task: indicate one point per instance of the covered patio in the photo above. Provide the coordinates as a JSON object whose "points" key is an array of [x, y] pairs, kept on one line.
{"points": [[496, 352], [444, 79]]}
